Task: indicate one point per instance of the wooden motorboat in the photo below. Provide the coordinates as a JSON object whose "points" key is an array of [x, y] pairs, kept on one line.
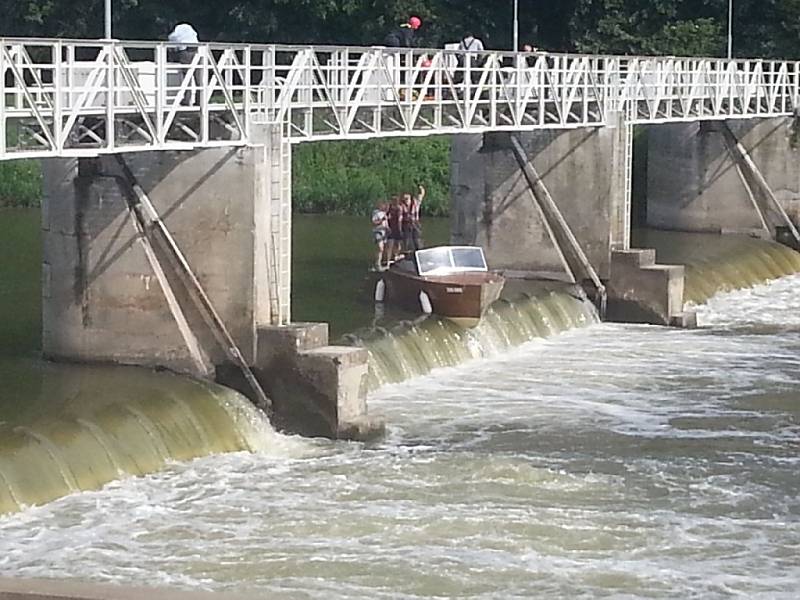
{"points": [[450, 281]]}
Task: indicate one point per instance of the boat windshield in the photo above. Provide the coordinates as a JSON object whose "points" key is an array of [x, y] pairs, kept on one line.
{"points": [[445, 260]]}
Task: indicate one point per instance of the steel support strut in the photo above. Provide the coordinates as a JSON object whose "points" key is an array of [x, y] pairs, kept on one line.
{"points": [[565, 241]]}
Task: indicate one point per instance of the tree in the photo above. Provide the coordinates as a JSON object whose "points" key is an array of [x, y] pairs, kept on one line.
{"points": [[763, 28]]}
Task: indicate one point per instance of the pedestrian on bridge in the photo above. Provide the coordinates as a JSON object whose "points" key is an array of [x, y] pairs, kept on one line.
{"points": [[404, 35], [469, 62], [184, 35]]}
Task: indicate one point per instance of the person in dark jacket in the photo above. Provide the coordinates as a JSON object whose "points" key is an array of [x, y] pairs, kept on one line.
{"points": [[404, 35]]}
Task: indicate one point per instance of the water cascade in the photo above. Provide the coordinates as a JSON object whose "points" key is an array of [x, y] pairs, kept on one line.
{"points": [[720, 263], [88, 426], [414, 348]]}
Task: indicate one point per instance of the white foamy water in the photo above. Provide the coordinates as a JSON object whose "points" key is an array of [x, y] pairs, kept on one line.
{"points": [[774, 305], [612, 461]]}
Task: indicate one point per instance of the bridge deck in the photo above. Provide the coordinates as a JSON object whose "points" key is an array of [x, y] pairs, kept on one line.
{"points": [[87, 97]]}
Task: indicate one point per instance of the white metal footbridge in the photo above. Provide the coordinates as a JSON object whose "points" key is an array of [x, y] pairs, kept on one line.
{"points": [[83, 98]]}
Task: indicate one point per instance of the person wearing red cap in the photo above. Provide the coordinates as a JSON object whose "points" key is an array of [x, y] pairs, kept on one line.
{"points": [[403, 36]]}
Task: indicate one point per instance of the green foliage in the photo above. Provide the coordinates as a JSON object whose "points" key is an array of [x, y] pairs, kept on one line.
{"points": [[672, 27], [350, 177], [761, 28], [698, 37], [20, 183]]}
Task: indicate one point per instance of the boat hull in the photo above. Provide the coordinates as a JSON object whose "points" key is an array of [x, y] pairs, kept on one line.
{"points": [[463, 298]]}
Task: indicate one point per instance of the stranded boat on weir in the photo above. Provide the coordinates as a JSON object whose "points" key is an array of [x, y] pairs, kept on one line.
{"points": [[450, 281]]}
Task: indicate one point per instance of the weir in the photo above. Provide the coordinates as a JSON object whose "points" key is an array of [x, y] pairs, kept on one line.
{"points": [[541, 177], [200, 286], [534, 311], [84, 426], [88, 426], [727, 177]]}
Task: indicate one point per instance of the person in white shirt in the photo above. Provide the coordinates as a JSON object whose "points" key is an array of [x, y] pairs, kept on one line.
{"points": [[469, 43], [185, 35], [380, 234]]}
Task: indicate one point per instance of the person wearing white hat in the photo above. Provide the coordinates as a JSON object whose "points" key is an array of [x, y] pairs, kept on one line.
{"points": [[185, 36]]}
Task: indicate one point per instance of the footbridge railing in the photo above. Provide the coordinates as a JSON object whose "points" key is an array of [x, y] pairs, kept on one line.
{"points": [[78, 97]]}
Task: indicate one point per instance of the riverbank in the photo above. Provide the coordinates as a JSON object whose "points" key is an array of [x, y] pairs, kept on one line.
{"points": [[348, 178], [342, 178]]}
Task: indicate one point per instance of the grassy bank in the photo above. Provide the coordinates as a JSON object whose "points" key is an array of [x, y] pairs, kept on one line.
{"points": [[344, 178], [349, 177], [20, 183]]}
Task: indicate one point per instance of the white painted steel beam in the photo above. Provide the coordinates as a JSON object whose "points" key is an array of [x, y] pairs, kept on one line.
{"points": [[91, 97]]}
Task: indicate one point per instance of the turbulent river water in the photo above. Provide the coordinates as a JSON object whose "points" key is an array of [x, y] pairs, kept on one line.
{"points": [[604, 461]]}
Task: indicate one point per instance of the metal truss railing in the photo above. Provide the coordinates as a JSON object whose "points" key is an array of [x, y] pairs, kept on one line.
{"points": [[78, 97]]}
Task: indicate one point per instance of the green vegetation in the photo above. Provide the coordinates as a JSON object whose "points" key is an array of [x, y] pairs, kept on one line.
{"points": [[20, 183], [761, 28], [349, 177]]}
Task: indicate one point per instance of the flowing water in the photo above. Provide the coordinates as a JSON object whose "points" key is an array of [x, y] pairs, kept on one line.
{"points": [[414, 348], [87, 426], [606, 461], [716, 263]]}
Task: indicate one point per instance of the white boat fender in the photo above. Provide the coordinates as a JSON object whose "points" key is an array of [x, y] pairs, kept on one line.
{"points": [[380, 290], [425, 303]]}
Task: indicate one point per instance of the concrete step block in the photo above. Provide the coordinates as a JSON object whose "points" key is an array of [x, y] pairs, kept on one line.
{"points": [[672, 271], [338, 374], [634, 257], [644, 294], [684, 320], [344, 356], [279, 340], [321, 392]]}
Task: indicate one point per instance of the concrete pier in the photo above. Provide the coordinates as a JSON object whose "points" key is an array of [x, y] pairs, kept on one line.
{"points": [[103, 302], [587, 173], [581, 168], [114, 293], [694, 184]]}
